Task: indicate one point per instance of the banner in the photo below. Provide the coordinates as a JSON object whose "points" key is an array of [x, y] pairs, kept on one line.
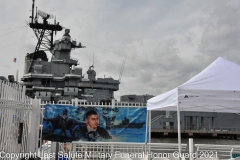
{"points": [[107, 124]]}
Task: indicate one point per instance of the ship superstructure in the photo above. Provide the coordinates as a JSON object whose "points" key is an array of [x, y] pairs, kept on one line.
{"points": [[61, 78]]}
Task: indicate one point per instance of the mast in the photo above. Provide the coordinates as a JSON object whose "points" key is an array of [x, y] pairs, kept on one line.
{"points": [[44, 31], [32, 11]]}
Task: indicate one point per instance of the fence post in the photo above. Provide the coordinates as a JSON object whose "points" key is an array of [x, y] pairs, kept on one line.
{"points": [[75, 102], [113, 102], [191, 149], [23, 93], [54, 148], [34, 126]]}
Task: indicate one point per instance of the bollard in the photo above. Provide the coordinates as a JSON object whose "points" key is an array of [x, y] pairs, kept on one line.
{"points": [[191, 149]]}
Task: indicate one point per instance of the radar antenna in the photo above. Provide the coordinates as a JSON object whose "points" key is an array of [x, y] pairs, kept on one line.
{"points": [[93, 58], [45, 15], [43, 31]]}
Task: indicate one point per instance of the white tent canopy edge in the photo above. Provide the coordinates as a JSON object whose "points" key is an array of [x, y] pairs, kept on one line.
{"points": [[215, 89]]}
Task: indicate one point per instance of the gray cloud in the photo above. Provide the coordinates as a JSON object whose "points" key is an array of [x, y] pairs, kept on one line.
{"points": [[165, 43]]}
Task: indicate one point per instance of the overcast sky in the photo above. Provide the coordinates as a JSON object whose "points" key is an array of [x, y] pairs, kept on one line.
{"points": [[164, 42]]}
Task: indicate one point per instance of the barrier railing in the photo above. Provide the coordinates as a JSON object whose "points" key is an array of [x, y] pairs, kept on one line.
{"points": [[109, 150], [106, 150], [213, 151], [14, 117]]}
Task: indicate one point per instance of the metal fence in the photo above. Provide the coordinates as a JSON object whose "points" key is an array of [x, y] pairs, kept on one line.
{"points": [[106, 150], [114, 150], [102, 150], [220, 151], [137, 151], [19, 121]]}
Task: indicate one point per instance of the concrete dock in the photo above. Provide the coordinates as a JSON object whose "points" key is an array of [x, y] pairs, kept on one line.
{"points": [[231, 134]]}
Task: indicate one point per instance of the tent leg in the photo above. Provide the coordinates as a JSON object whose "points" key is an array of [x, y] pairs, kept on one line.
{"points": [[150, 124], [179, 130]]}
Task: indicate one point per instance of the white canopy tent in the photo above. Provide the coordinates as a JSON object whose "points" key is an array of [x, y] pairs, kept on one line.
{"points": [[215, 89]]}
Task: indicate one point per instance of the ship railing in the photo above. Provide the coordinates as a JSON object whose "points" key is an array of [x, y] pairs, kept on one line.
{"points": [[80, 102], [113, 103], [130, 104]]}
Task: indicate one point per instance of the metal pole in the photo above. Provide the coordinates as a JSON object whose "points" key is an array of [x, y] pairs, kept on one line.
{"points": [[197, 122], [17, 76], [32, 10], [209, 123], [179, 129], [149, 126], [191, 149]]}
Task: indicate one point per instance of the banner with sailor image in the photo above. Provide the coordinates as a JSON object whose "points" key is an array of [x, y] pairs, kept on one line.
{"points": [[64, 123]]}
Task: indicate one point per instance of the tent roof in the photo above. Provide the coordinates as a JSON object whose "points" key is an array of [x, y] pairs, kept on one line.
{"points": [[215, 89]]}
